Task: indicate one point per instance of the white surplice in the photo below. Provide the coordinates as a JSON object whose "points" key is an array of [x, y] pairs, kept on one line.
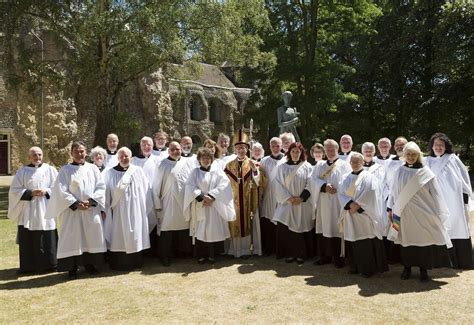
{"points": [[128, 202], [269, 166], [81, 230], [453, 179], [292, 180], [31, 214], [168, 193], [328, 205], [424, 219], [363, 189], [209, 224]]}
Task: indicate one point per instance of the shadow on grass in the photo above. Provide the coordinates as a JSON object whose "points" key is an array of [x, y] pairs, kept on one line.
{"points": [[329, 276], [31, 281], [187, 266]]}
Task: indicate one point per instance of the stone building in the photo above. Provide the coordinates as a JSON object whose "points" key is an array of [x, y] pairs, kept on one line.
{"points": [[177, 101]]}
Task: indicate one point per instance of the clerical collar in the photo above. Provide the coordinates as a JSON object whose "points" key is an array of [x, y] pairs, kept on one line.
{"points": [[396, 158], [111, 152], [257, 160], [101, 168], [77, 164], [278, 157], [368, 164], [205, 169], [241, 160], [291, 162], [434, 155], [358, 172], [382, 157], [159, 149], [416, 165], [31, 165], [120, 168], [141, 156], [344, 153], [172, 159], [187, 155], [330, 163]]}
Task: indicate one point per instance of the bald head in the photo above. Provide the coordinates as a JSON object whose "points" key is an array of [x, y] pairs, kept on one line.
{"points": [[174, 150], [186, 144], [112, 142]]}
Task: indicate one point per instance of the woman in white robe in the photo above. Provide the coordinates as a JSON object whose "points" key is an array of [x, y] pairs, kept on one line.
{"points": [[28, 198], [456, 189], [128, 202], [294, 213], [360, 219], [208, 206], [419, 216], [77, 199]]}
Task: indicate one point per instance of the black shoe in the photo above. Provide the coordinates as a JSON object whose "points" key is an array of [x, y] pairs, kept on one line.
{"points": [[165, 261], [339, 262], [201, 261], [211, 260], [424, 276], [289, 260], [245, 257], [406, 273], [322, 260], [72, 274], [353, 270], [91, 269], [300, 260], [367, 275], [24, 272]]}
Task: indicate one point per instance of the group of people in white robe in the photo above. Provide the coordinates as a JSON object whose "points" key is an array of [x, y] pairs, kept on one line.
{"points": [[360, 209]]}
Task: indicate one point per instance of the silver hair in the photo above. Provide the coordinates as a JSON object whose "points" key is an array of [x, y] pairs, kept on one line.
{"points": [[99, 150], [275, 139], [331, 142], [288, 135], [368, 145], [146, 139], [125, 150], [387, 140], [347, 136]]}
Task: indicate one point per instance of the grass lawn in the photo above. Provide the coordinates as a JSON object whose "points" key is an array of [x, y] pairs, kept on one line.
{"points": [[259, 290]]}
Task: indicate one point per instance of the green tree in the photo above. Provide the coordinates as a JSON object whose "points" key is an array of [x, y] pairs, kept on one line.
{"points": [[109, 43]]}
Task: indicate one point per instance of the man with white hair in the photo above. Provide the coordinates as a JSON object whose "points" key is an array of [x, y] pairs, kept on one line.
{"points": [[186, 147], [128, 203], [149, 162], [384, 145], [325, 181], [223, 141], [287, 139], [168, 197], [146, 160], [112, 145], [346, 147], [268, 167], [28, 198]]}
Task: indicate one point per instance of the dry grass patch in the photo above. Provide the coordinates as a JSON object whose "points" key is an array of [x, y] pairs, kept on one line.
{"points": [[259, 290]]}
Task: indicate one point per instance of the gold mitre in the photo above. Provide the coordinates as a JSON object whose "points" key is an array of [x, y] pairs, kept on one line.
{"points": [[240, 137]]}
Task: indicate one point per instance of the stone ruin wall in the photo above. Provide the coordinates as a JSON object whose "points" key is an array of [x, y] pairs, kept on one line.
{"points": [[155, 103]]}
